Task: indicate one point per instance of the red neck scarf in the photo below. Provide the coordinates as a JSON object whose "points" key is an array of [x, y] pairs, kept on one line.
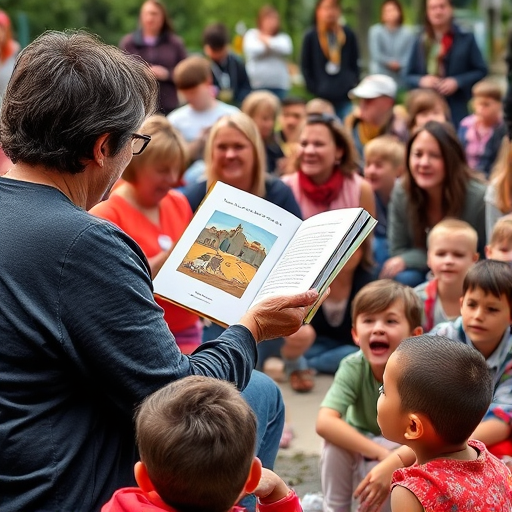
{"points": [[324, 193]]}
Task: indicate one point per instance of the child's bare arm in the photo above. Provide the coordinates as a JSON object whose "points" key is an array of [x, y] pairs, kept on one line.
{"points": [[374, 488], [271, 487], [334, 429], [492, 431], [403, 500]]}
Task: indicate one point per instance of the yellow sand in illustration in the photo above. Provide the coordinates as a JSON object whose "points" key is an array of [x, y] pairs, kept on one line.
{"points": [[231, 266]]}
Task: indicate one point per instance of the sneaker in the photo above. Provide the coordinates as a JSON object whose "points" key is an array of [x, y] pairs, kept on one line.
{"points": [[313, 502]]}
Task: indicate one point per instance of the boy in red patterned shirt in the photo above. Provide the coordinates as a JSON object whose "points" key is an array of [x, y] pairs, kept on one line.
{"points": [[435, 393]]}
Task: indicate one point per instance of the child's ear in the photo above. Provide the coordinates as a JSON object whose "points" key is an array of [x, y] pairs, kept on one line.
{"points": [[488, 252], [142, 477], [415, 428], [254, 476], [476, 256], [355, 337], [417, 331]]}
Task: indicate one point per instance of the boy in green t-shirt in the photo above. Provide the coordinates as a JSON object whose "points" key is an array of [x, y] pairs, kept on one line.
{"points": [[384, 313]]}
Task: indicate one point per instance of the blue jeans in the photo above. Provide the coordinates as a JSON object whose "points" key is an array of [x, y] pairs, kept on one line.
{"points": [[343, 109], [380, 253], [265, 399], [324, 356], [411, 277]]}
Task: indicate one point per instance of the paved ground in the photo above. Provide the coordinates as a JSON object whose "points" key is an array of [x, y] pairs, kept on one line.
{"points": [[298, 465]]}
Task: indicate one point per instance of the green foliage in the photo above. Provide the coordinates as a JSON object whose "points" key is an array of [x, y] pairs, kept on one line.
{"points": [[111, 19]]}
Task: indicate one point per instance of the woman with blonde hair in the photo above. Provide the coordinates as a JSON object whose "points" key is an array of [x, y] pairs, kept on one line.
{"points": [[498, 197], [326, 179], [145, 207], [235, 155]]}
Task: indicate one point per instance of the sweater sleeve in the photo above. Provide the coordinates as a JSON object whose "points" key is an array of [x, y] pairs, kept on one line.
{"points": [[399, 231], [492, 212], [477, 69], [374, 46], [413, 70], [253, 46], [289, 503], [114, 333], [281, 45], [306, 61]]}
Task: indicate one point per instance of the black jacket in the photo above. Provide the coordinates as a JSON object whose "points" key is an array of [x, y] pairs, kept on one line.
{"points": [[333, 88]]}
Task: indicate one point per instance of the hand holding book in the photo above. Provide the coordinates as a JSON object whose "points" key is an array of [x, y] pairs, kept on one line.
{"points": [[279, 316]]}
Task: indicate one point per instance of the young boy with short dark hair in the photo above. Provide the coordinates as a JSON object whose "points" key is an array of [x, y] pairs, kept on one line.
{"points": [[193, 456], [384, 313], [228, 70], [435, 393]]}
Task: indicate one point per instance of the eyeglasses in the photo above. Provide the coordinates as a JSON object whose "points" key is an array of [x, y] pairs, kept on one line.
{"points": [[139, 143]]}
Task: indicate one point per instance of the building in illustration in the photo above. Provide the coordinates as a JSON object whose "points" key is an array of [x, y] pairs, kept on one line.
{"points": [[233, 242]]}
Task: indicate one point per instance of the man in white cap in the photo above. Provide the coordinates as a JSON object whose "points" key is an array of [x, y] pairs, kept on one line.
{"points": [[374, 114]]}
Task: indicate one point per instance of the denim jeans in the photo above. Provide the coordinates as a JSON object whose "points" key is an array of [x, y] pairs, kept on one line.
{"points": [[380, 253], [266, 401], [411, 277], [343, 109], [324, 356]]}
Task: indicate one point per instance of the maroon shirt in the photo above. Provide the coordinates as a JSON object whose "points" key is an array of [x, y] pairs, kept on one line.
{"points": [[167, 52]]}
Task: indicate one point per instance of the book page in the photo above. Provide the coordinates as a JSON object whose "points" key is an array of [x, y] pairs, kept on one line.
{"points": [[309, 251], [225, 255]]}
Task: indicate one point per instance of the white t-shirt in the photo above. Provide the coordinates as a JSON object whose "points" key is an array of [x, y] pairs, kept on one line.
{"points": [[192, 122]]}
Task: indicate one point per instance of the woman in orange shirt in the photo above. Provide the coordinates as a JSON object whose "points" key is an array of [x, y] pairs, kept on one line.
{"points": [[145, 207]]}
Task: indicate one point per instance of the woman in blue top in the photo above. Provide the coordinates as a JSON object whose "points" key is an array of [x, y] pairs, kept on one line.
{"points": [[389, 42]]}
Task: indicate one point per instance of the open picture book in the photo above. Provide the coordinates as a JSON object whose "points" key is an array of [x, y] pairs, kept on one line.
{"points": [[240, 249]]}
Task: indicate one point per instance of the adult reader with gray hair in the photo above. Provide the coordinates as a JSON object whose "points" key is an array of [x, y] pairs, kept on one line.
{"points": [[82, 340]]}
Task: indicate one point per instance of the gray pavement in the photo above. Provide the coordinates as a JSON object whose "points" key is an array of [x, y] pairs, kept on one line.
{"points": [[298, 464]]}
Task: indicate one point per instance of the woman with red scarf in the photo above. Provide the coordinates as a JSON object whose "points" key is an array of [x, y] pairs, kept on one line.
{"points": [[326, 179], [445, 58], [9, 48]]}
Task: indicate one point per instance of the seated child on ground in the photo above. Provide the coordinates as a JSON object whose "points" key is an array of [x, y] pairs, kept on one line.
{"points": [[384, 162], [196, 439], [262, 107], [435, 393], [193, 79], [319, 106], [425, 105], [290, 119], [451, 252], [482, 132], [384, 313], [484, 324], [500, 244]]}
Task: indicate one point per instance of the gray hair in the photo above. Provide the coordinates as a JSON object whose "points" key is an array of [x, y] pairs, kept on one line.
{"points": [[68, 89]]}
